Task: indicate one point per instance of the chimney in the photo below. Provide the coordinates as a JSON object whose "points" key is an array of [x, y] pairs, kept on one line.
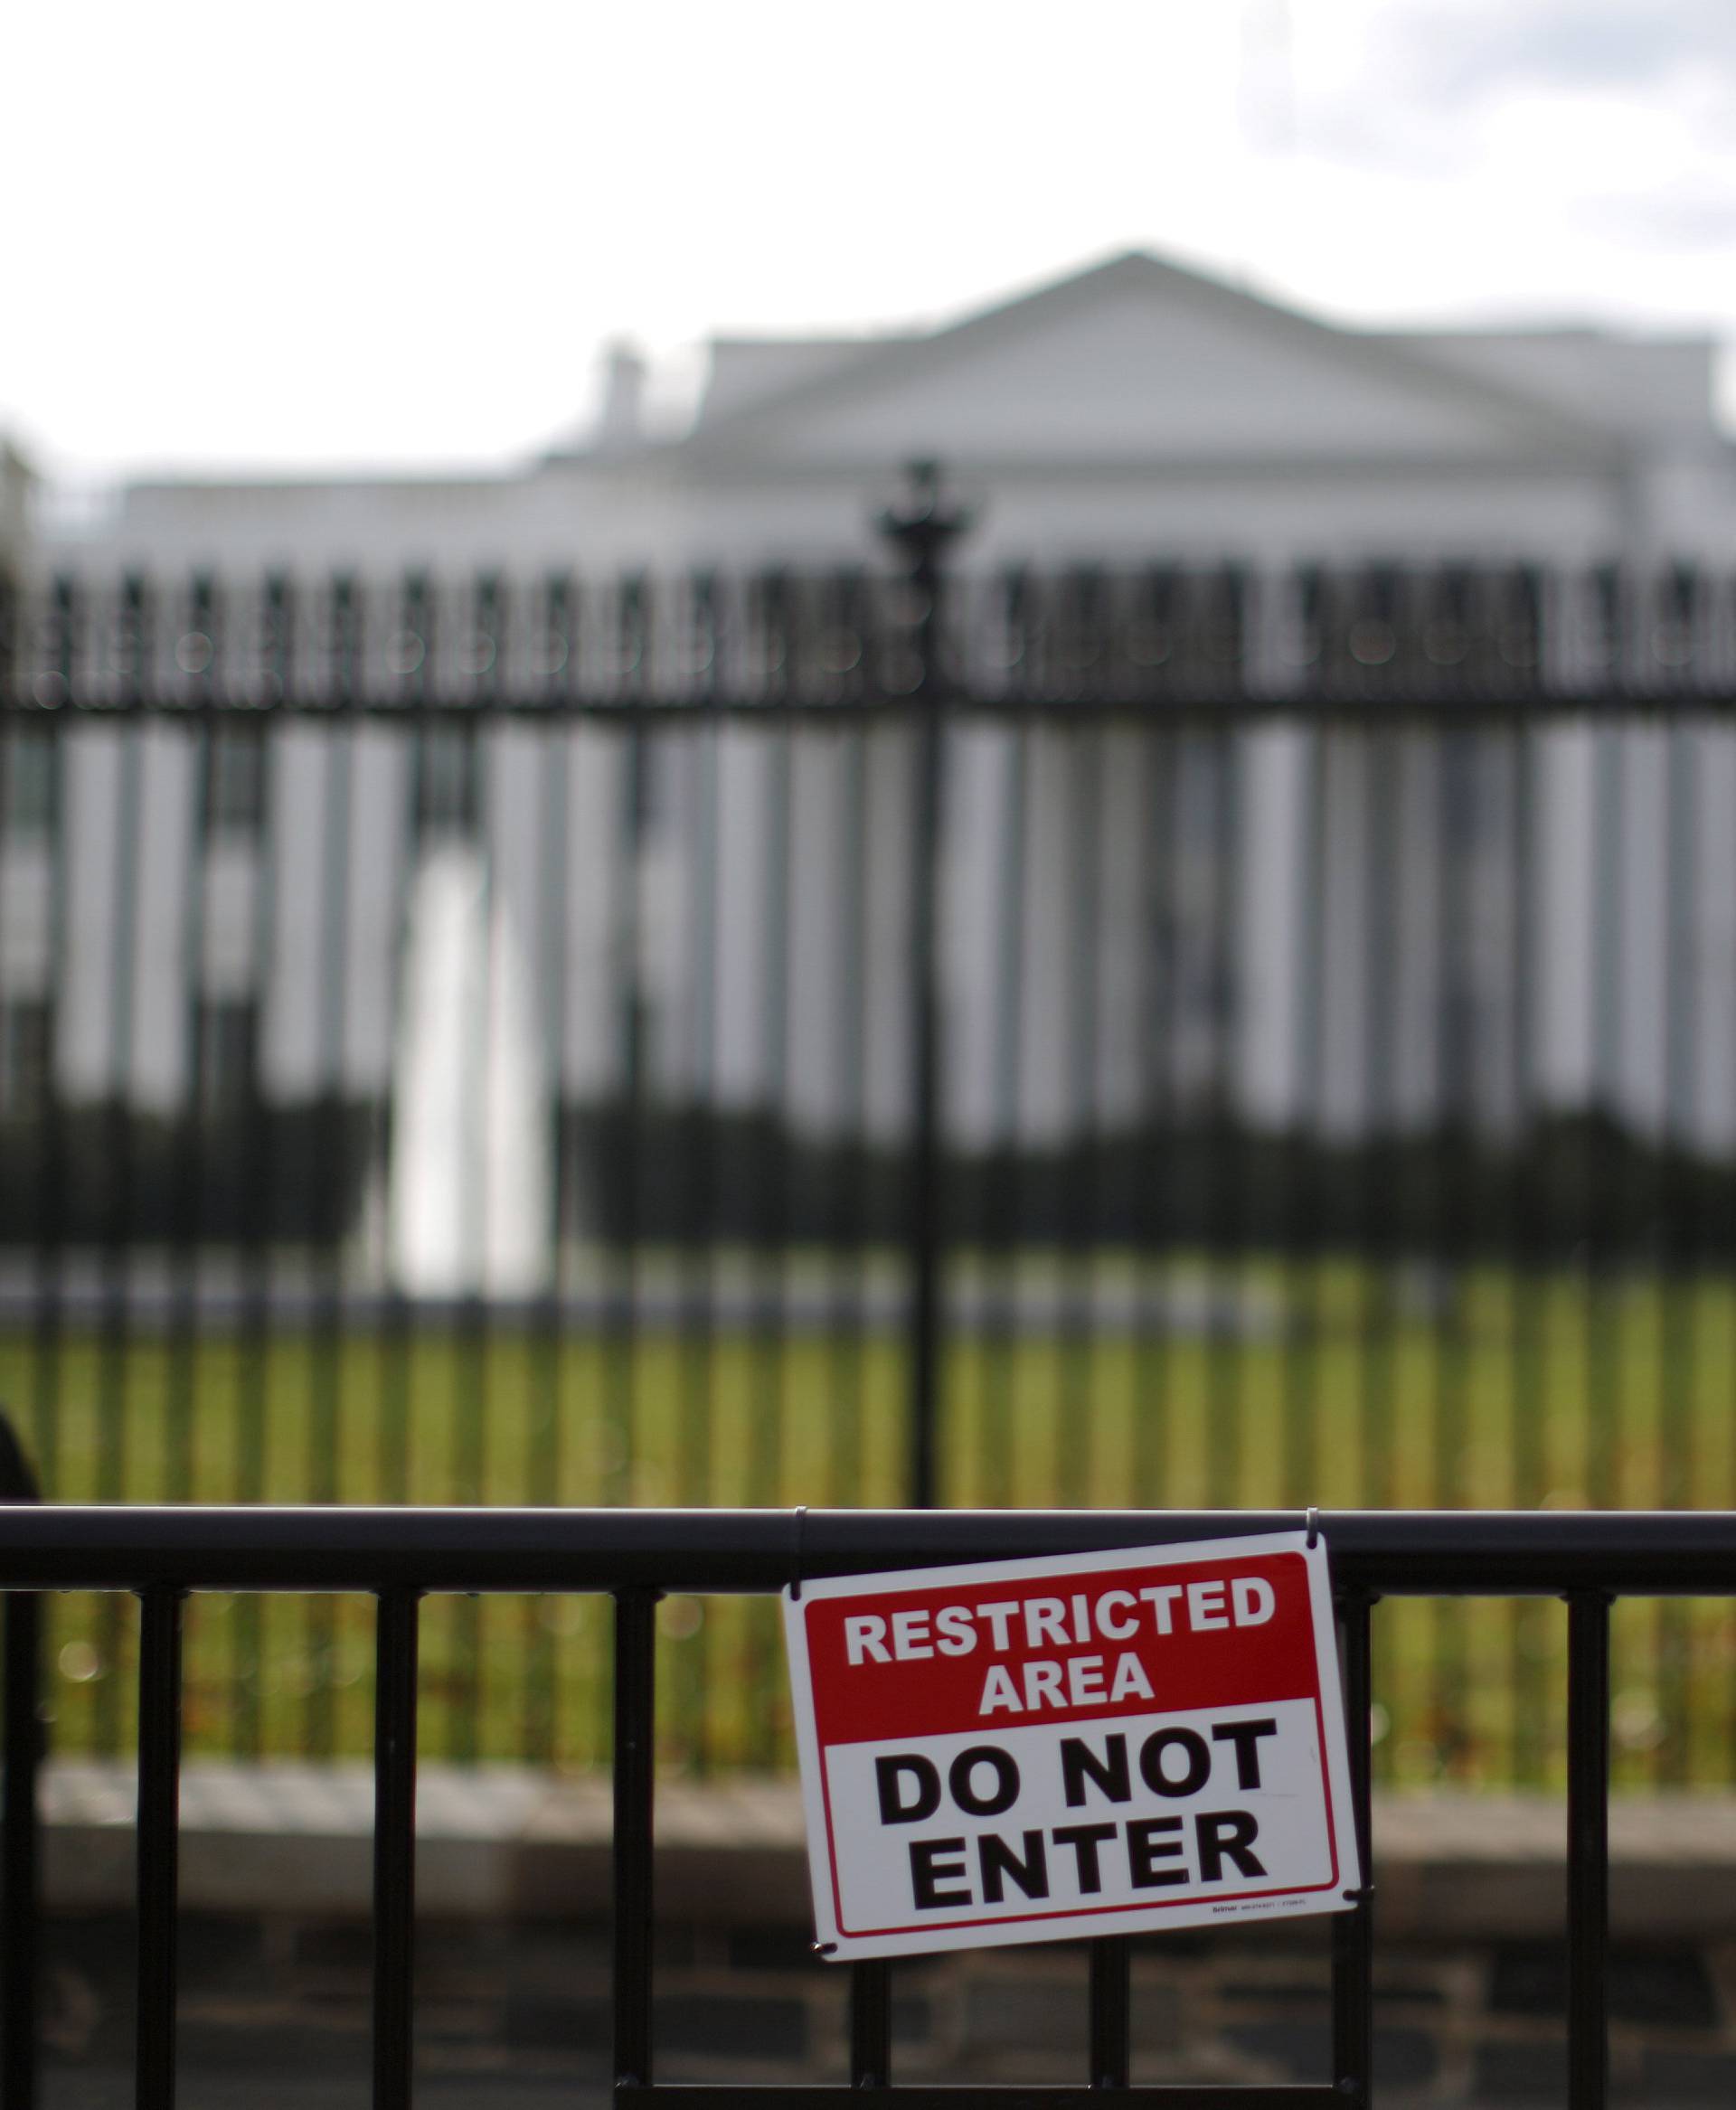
{"points": [[622, 421]]}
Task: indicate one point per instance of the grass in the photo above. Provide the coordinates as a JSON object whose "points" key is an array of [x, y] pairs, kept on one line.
{"points": [[1354, 1388]]}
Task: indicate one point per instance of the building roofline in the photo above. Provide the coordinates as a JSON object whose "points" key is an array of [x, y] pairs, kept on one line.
{"points": [[884, 358]]}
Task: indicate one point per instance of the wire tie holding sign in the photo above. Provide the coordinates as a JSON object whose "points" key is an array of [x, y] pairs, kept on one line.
{"points": [[1313, 1538], [798, 1523]]}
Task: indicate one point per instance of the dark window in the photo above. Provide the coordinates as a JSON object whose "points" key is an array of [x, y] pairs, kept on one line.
{"points": [[1205, 789], [1472, 808], [226, 1030], [28, 775], [645, 787], [447, 781], [235, 781], [26, 1055], [1461, 1024]]}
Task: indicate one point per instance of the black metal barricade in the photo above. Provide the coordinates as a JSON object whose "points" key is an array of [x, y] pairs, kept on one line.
{"points": [[398, 1556]]}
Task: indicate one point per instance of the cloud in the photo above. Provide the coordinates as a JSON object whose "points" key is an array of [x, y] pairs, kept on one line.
{"points": [[1413, 84], [1677, 220], [1461, 54], [1614, 119]]}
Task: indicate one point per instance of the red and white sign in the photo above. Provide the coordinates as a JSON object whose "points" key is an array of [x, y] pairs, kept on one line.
{"points": [[1101, 1743]]}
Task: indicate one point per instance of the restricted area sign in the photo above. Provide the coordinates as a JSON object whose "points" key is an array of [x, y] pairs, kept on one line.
{"points": [[1102, 1743]]}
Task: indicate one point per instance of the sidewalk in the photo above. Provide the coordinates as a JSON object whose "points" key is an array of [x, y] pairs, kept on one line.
{"points": [[506, 1842]]}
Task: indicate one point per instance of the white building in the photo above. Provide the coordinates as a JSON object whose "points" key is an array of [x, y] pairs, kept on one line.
{"points": [[1133, 413], [1135, 408]]}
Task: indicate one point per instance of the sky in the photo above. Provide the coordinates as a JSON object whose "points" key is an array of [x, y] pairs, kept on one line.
{"points": [[362, 231]]}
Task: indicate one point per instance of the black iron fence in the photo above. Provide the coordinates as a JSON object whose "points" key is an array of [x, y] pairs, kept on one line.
{"points": [[1188, 1037], [396, 1559]]}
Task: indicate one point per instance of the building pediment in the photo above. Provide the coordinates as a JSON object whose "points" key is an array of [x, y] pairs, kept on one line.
{"points": [[1139, 363]]}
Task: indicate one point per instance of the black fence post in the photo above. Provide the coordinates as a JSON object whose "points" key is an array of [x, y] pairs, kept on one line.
{"points": [[397, 1641], [22, 1738], [921, 529], [634, 1765], [159, 1841], [1588, 1849]]}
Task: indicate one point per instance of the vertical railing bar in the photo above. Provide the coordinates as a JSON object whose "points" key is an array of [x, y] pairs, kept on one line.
{"points": [[21, 1741], [116, 1362], [701, 1169], [1112, 2012], [1299, 1399], [871, 2024], [545, 1451], [325, 1463], [1607, 1201], [159, 1841], [394, 1846], [1320, 970], [845, 1234], [1173, 1233], [1002, 1184], [469, 1474], [627, 1005], [1588, 1848], [767, 1443], [1381, 785], [19, 1857], [259, 1156], [50, 1198], [634, 1752], [1528, 1232], [921, 530], [1071, 1435], [1353, 1932], [851, 953], [923, 1230], [1678, 1338], [348, 620], [1224, 760], [1459, 791], [188, 1169]]}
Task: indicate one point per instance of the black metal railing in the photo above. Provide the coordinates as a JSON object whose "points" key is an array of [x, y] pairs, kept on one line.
{"points": [[1206, 1035], [400, 1557]]}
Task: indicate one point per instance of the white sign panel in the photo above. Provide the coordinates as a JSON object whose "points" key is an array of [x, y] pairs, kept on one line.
{"points": [[1101, 1743]]}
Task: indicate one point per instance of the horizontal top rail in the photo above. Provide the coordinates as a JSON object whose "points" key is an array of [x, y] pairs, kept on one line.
{"points": [[1102, 636], [1414, 1553], [1384, 705]]}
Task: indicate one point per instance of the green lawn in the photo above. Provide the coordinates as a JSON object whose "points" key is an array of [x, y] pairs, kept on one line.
{"points": [[1350, 1389]]}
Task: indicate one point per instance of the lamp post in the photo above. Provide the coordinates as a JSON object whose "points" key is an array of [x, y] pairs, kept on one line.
{"points": [[921, 529]]}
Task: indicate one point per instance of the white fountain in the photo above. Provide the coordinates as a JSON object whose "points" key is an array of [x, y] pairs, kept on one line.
{"points": [[469, 1179]]}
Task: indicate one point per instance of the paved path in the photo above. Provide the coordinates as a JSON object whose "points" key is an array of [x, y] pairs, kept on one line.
{"points": [[516, 1842], [801, 1294]]}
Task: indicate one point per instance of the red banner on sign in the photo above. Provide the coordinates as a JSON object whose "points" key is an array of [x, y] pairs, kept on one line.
{"points": [[927, 1662]]}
